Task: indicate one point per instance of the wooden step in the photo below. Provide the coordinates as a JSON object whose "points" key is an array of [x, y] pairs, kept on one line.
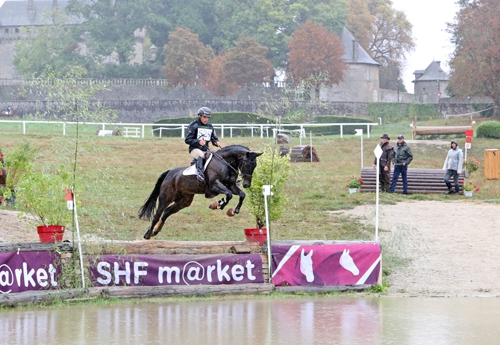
{"points": [[420, 181]]}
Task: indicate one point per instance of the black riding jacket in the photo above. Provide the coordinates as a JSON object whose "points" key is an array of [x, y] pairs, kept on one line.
{"points": [[198, 131]]}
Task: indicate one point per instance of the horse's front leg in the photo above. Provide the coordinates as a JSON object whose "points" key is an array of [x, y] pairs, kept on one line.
{"points": [[242, 195], [218, 188]]}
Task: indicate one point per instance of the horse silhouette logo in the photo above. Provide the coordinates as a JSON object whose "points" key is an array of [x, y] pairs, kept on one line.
{"points": [[306, 265], [347, 262]]}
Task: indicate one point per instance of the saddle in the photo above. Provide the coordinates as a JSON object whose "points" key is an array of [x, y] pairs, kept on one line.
{"points": [[191, 170]]}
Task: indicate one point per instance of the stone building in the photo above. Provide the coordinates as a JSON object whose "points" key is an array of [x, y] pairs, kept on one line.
{"points": [[430, 84], [361, 81]]}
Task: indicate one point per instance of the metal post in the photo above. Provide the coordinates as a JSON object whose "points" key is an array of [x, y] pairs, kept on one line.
{"points": [[266, 190], [78, 238]]}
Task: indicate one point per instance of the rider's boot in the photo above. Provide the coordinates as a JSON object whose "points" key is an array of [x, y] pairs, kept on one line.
{"points": [[199, 167]]}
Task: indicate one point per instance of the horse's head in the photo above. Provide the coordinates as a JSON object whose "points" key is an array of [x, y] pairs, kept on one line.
{"points": [[247, 166]]}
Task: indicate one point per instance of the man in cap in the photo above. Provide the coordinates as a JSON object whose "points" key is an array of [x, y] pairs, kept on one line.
{"points": [[401, 158], [453, 166], [385, 163]]}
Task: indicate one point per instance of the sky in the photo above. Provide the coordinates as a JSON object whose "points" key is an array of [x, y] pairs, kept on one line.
{"points": [[432, 42]]}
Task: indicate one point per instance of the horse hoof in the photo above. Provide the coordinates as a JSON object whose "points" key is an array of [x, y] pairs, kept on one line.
{"points": [[230, 212], [214, 205]]}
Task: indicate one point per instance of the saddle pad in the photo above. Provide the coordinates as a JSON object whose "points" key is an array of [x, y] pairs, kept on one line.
{"points": [[191, 170]]}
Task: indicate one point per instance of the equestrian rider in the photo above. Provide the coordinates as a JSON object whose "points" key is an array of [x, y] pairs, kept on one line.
{"points": [[200, 133]]}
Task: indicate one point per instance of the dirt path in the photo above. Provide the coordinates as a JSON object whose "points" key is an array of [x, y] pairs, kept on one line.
{"points": [[451, 248]]}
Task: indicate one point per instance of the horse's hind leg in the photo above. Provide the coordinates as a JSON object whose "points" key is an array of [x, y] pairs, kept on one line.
{"points": [[180, 203]]}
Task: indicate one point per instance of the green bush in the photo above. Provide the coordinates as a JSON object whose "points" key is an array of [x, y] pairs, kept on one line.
{"points": [[488, 129], [217, 119], [398, 112]]}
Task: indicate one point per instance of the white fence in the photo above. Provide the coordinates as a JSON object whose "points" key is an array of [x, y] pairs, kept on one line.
{"points": [[137, 130]]}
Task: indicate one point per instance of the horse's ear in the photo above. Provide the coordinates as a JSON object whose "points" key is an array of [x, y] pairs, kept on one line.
{"points": [[257, 154]]}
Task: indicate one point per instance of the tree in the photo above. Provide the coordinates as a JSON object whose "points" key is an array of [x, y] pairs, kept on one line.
{"points": [[316, 55], [110, 26], [51, 47], [475, 63], [246, 63], [360, 21], [187, 59], [390, 38], [240, 66]]}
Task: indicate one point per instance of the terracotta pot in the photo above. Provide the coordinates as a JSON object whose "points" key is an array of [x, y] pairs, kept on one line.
{"points": [[256, 235], [50, 233]]}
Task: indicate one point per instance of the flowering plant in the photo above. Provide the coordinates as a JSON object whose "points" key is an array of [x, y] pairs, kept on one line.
{"points": [[471, 165], [354, 182], [470, 187]]}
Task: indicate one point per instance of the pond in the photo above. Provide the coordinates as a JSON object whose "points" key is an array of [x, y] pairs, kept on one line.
{"points": [[260, 320]]}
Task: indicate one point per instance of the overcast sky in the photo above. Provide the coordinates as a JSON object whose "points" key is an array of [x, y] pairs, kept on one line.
{"points": [[432, 42]]}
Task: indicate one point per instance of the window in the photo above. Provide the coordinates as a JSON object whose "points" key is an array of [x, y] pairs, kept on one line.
{"points": [[6, 30], [17, 30], [367, 74]]}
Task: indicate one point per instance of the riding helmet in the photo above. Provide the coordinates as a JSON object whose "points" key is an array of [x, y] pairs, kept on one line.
{"points": [[204, 111]]}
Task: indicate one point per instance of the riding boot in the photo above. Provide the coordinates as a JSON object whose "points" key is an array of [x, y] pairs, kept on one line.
{"points": [[385, 187], [199, 167], [450, 191]]}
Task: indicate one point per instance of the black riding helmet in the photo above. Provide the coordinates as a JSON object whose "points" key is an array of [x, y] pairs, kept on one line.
{"points": [[204, 111]]}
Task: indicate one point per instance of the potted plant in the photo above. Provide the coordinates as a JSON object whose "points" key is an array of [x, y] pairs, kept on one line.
{"points": [[353, 183], [272, 169], [469, 188], [471, 165], [40, 197], [16, 164]]}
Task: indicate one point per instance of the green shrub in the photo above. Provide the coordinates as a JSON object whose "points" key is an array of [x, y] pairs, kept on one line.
{"points": [[397, 112], [488, 129]]}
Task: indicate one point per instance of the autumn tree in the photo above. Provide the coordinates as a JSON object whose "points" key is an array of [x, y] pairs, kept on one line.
{"points": [[241, 66], [316, 56], [187, 59], [390, 39], [475, 63]]}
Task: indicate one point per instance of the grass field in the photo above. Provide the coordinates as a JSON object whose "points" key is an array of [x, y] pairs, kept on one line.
{"points": [[116, 175]]}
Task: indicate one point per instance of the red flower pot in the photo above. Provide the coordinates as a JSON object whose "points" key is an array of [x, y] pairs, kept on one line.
{"points": [[50, 233], [256, 235]]}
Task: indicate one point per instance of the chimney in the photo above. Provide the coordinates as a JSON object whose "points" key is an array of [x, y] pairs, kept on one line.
{"points": [[439, 63], [31, 10], [355, 50]]}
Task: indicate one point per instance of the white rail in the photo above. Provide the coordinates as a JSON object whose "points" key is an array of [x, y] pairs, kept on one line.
{"points": [[139, 129]]}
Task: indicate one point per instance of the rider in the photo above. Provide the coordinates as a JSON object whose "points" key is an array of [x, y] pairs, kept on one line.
{"points": [[200, 132]]}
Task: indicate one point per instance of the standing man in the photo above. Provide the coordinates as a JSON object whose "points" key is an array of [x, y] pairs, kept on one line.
{"points": [[385, 163], [453, 166], [200, 133], [401, 158]]}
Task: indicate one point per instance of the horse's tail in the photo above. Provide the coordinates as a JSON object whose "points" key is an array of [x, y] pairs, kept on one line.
{"points": [[147, 210]]}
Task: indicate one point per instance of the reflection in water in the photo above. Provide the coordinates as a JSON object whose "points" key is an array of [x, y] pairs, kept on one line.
{"points": [[306, 320]]}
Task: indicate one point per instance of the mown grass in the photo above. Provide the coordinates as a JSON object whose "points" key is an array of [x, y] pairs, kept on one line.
{"points": [[116, 174]]}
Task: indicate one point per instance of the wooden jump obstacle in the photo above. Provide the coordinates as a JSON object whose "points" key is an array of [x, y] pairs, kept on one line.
{"points": [[420, 181], [439, 130], [302, 153]]}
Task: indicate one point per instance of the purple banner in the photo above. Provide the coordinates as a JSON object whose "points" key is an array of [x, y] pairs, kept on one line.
{"points": [[156, 269], [329, 264], [24, 271]]}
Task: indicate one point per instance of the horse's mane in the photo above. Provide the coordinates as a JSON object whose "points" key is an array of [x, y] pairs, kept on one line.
{"points": [[233, 147]]}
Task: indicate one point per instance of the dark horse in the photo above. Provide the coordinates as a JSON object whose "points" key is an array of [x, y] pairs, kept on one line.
{"points": [[176, 191]]}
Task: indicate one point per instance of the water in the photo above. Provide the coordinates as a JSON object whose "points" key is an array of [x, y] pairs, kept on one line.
{"points": [[304, 320]]}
